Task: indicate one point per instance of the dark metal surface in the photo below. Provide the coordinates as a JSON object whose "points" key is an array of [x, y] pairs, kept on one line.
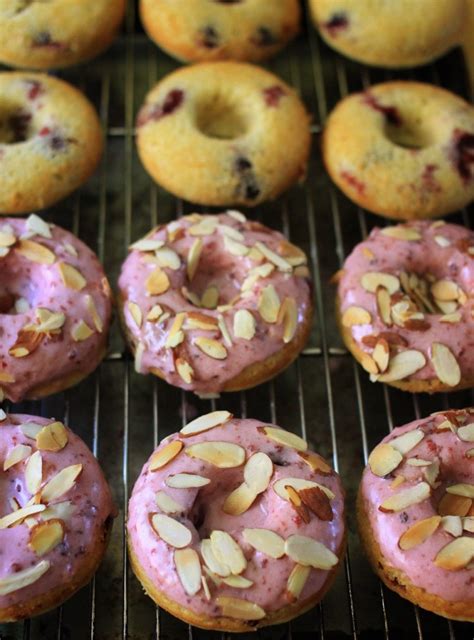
{"points": [[324, 395]]}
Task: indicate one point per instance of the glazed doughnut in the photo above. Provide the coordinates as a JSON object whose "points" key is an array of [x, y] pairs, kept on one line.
{"points": [[393, 33], [215, 303], [50, 141], [405, 306], [229, 518], [251, 30], [415, 512], [55, 309], [224, 133], [56, 511], [56, 33], [404, 150]]}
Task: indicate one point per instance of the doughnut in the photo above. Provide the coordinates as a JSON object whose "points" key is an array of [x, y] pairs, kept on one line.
{"points": [[224, 133], [415, 513], [240, 29], [56, 512], [215, 303], [55, 309], [404, 150], [56, 33], [392, 33], [235, 525], [50, 141], [405, 306]]}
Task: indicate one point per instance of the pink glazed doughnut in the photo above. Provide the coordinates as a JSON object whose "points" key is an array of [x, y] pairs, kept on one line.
{"points": [[56, 511], [234, 525], [55, 309], [215, 303], [405, 306], [415, 512]]}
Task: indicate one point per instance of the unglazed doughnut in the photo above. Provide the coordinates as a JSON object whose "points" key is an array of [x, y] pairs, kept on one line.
{"points": [[415, 512], [404, 150], [224, 133], [50, 141], [234, 525], [56, 512], [55, 309], [218, 29], [392, 33], [215, 303], [56, 33], [405, 306]]}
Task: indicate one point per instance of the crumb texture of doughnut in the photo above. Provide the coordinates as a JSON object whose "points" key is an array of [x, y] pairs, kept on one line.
{"points": [[404, 150], [405, 306], [416, 516], [56, 512], [50, 34], [392, 33], [250, 30], [55, 309], [50, 141], [215, 303], [224, 133], [235, 524]]}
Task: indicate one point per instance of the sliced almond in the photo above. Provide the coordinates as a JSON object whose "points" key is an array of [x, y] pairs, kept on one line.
{"points": [[269, 304], [58, 511], [456, 555], [244, 324], [407, 441], [219, 568], [164, 455], [258, 471], [289, 316], [231, 232], [265, 541], [419, 532], [210, 297], [466, 433], [315, 462], [406, 498], [399, 480], [211, 348], [35, 252], [7, 239], [453, 505], [188, 568], [167, 504], [369, 364], [61, 483], [468, 524], [355, 315], [317, 502], [239, 609], [16, 455], [81, 331], [26, 343], [431, 474], [194, 256], [452, 525], [147, 244], [136, 313], [206, 422], [175, 335], [451, 318], [271, 256], [167, 258], [283, 437], [6, 377], [157, 282], [445, 364], [223, 455], [445, 290], [227, 551], [155, 313], [374, 279], [463, 489], [310, 552], [19, 515], [48, 320], [234, 247], [171, 531], [186, 481], [381, 354], [185, 370], [279, 487], [292, 254], [239, 500], [72, 277], [24, 578], [297, 580], [384, 305], [237, 582], [205, 227], [34, 473], [401, 232], [52, 437], [236, 215], [297, 504], [418, 462], [45, 536], [403, 365], [197, 320]]}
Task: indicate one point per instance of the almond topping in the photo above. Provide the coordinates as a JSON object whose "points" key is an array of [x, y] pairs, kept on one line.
{"points": [[418, 533], [315, 462], [239, 500], [45, 536], [26, 343], [431, 474], [369, 364], [265, 541], [34, 473], [451, 318], [185, 370], [211, 348], [453, 505], [188, 568], [157, 282], [167, 504], [239, 609], [317, 502], [16, 455], [164, 455], [466, 433], [61, 483], [244, 324], [166, 257], [186, 481], [136, 313], [205, 227], [273, 257], [269, 304], [373, 279], [194, 256], [175, 335], [445, 290], [285, 438], [279, 487], [406, 498], [297, 503], [72, 277], [310, 552], [355, 315], [223, 455], [237, 582], [292, 254], [52, 437], [147, 244], [231, 232], [210, 297], [456, 555], [384, 305], [288, 314], [403, 365], [297, 580], [445, 364], [155, 313], [228, 552], [35, 252], [407, 441], [7, 239], [220, 569], [452, 525], [81, 331], [206, 422], [23, 578], [30, 429], [171, 531], [381, 354], [236, 215], [197, 320], [257, 473], [234, 247], [401, 232], [465, 490]]}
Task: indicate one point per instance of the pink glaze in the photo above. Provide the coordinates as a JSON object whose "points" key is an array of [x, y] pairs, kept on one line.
{"points": [[91, 507], [455, 467], [41, 285], [381, 253], [268, 511], [217, 266]]}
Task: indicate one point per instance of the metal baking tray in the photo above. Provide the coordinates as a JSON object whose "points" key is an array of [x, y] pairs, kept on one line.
{"points": [[324, 395]]}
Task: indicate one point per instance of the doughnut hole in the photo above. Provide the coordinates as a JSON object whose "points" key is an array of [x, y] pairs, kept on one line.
{"points": [[218, 116], [19, 290], [410, 133], [16, 124]]}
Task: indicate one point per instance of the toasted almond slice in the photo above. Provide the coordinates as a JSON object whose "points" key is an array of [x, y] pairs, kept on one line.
{"points": [[139, 351], [286, 438], [297, 504], [468, 524], [155, 313], [31, 429], [403, 365], [72, 277], [7, 239], [167, 504], [453, 505], [175, 335], [166, 257], [369, 364], [374, 279], [234, 247], [258, 471], [418, 533], [292, 254], [447, 307], [48, 320], [81, 331], [16, 455], [224, 330], [197, 320], [244, 324], [35, 252], [157, 282], [58, 511], [384, 305], [204, 227], [355, 315], [136, 313], [147, 244], [406, 498], [236, 215], [45, 536], [310, 552], [24, 578], [210, 297], [228, 552], [452, 525], [239, 609], [317, 502], [297, 580], [239, 500], [269, 304], [34, 473], [446, 425], [186, 481], [418, 462], [165, 454], [61, 483], [271, 256], [451, 318], [445, 290], [279, 487], [188, 568], [265, 541], [317, 464], [289, 315], [407, 441], [206, 422], [381, 354], [445, 364], [237, 582], [171, 531], [194, 256], [463, 489], [401, 232], [17, 516], [219, 568], [211, 348], [185, 370], [397, 482], [466, 432], [231, 232], [431, 474], [52, 437], [456, 555], [470, 453], [223, 455]]}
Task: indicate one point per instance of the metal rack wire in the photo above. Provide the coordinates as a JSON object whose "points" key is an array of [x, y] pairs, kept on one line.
{"points": [[324, 395]]}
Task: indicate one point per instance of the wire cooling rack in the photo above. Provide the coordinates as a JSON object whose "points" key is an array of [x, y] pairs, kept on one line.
{"points": [[324, 395]]}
